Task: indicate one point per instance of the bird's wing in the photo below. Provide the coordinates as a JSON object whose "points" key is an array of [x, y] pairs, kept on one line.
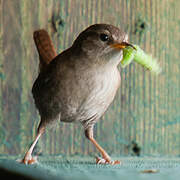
{"points": [[45, 48]]}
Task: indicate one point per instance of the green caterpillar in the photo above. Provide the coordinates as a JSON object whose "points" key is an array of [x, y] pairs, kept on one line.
{"points": [[138, 55]]}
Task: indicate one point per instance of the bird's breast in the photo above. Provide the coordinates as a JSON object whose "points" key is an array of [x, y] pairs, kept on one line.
{"points": [[104, 87]]}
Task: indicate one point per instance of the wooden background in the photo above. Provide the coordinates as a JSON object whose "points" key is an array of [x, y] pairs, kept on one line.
{"points": [[146, 108]]}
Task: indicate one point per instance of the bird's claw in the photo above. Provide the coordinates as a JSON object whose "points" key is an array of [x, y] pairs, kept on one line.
{"points": [[106, 161], [28, 160]]}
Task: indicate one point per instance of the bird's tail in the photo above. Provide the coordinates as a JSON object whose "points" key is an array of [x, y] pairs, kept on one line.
{"points": [[45, 48]]}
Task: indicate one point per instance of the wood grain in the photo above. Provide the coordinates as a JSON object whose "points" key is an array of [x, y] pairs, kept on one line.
{"points": [[146, 108]]}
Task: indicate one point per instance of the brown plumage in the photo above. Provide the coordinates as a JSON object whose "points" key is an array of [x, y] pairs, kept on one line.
{"points": [[45, 48], [79, 84]]}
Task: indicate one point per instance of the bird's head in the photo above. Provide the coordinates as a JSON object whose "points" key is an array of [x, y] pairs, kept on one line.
{"points": [[102, 43]]}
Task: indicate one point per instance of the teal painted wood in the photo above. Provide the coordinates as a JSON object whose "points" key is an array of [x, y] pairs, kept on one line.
{"points": [[146, 108]]}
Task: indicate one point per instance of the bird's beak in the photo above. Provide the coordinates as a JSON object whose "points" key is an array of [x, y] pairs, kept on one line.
{"points": [[122, 45]]}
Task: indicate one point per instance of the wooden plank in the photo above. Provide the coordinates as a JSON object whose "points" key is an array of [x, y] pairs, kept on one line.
{"points": [[146, 108]]}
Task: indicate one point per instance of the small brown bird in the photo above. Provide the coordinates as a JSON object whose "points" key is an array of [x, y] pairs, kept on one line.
{"points": [[79, 84]]}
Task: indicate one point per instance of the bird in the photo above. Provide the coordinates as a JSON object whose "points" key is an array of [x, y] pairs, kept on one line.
{"points": [[80, 83]]}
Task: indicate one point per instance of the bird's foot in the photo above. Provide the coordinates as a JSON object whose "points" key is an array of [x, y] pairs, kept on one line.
{"points": [[28, 159], [106, 161]]}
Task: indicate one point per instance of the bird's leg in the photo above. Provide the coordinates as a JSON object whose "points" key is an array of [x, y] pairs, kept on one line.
{"points": [[106, 158], [28, 159]]}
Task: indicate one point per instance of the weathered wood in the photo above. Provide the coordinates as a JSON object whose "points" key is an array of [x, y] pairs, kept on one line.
{"points": [[146, 108]]}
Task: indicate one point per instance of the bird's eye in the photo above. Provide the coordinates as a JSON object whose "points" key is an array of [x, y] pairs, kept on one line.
{"points": [[104, 37]]}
